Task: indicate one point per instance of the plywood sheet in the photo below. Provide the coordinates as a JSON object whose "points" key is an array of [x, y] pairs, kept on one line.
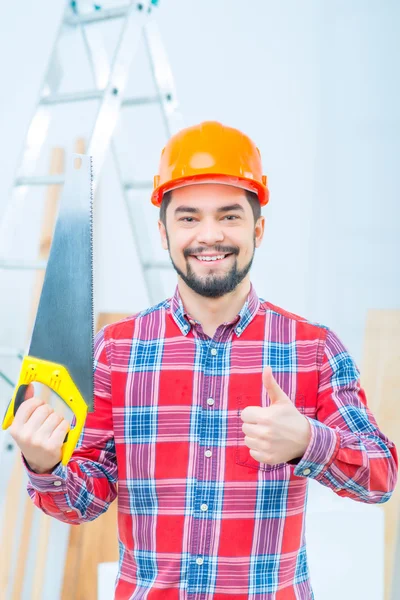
{"points": [[380, 377]]}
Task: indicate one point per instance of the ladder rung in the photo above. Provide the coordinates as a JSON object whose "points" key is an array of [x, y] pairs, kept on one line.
{"points": [[141, 100], [32, 265], [72, 97], [138, 185], [98, 15], [41, 180], [23, 265], [95, 95], [157, 265]]}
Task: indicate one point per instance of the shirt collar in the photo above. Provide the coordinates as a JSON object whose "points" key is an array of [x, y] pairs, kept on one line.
{"points": [[240, 322]]}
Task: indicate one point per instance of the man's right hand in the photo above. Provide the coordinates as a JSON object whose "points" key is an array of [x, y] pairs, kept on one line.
{"points": [[39, 432]]}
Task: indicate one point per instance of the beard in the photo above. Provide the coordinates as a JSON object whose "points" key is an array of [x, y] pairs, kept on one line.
{"points": [[213, 285]]}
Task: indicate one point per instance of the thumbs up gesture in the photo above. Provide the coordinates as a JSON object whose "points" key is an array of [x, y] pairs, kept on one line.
{"points": [[276, 433]]}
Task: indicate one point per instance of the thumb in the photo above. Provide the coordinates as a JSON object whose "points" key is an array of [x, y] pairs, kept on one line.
{"points": [[274, 391]]}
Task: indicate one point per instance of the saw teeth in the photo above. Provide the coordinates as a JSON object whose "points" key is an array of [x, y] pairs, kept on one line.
{"points": [[91, 253]]}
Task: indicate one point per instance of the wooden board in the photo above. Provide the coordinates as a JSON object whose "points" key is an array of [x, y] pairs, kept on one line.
{"points": [[380, 376]]}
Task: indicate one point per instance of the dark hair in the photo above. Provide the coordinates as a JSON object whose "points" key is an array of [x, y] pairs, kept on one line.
{"points": [[251, 197]]}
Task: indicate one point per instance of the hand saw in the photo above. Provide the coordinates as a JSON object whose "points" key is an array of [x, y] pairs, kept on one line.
{"points": [[61, 348]]}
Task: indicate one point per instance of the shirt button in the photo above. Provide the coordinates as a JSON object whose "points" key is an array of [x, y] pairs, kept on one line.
{"points": [[238, 329], [57, 483], [204, 507], [199, 561], [213, 351], [210, 401], [208, 453], [306, 471]]}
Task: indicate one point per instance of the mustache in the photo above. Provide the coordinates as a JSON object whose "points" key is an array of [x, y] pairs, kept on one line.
{"points": [[219, 250]]}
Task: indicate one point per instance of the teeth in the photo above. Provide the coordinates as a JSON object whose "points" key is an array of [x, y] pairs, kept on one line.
{"points": [[210, 258]]}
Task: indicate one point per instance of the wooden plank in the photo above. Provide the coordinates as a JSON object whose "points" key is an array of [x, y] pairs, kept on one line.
{"points": [[94, 542], [108, 318], [72, 562], [99, 543], [23, 550], [380, 376], [41, 556], [10, 515]]}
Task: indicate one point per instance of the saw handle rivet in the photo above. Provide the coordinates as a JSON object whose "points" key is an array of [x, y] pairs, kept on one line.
{"points": [[56, 373]]}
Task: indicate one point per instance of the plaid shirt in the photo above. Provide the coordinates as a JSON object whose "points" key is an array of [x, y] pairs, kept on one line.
{"points": [[198, 517]]}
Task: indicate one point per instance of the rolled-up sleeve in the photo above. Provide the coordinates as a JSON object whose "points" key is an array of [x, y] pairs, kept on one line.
{"points": [[347, 451]]}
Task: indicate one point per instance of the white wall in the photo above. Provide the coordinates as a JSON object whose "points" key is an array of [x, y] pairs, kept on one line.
{"points": [[356, 242]]}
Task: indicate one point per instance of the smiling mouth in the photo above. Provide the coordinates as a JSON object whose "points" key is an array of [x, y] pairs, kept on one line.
{"points": [[211, 261]]}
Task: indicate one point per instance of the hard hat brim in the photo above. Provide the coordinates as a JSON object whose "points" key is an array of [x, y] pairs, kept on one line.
{"points": [[223, 179]]}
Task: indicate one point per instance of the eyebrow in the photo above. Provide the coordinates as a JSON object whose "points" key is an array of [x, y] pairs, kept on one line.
{"points": [[221, 209]]}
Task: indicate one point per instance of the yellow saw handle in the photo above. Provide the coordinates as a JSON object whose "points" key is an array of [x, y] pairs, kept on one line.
{"points": [[57, 378]]}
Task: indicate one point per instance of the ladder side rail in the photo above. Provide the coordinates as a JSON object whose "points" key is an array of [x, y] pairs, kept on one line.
{"points": [[100, 69], [108, 111], [163, 78]]}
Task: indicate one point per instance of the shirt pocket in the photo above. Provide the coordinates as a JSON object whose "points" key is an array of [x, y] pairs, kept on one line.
{"points": [[242, 454]]}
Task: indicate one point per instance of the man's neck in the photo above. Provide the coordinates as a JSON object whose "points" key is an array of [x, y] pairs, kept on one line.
{"points": [[212, 312]]}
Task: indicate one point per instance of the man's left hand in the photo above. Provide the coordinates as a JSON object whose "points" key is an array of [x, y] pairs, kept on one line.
{"points": [[276, 433]]}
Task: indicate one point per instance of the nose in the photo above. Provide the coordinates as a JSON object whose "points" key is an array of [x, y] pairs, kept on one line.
{"points": [[209, 232]]}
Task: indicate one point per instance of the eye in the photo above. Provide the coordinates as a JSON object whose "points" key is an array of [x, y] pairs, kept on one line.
{"points": [[191, 219]]}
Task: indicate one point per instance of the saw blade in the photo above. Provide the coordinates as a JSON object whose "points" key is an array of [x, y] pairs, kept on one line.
{"points": [[64, 327]]}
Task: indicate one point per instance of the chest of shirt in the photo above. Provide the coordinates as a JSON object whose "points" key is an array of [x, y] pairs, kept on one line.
{"points": [[177, 407]]}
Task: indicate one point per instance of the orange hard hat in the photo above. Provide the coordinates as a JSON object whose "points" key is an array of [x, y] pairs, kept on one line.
{"points": [[210, 152]]}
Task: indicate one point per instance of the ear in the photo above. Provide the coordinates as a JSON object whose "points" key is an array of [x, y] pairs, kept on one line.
{"points": [[163, 235], [259, 230]]}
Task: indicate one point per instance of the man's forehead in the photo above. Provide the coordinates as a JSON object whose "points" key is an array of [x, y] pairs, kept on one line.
{"points": [[208, 197]]}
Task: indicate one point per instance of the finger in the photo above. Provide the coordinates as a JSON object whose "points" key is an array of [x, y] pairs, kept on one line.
{"points": [[38, 417], [26, 410], [260, 456], [30, 391], [254, 414], [60, 432], [255, 431], [253, 443], [49, 425]]}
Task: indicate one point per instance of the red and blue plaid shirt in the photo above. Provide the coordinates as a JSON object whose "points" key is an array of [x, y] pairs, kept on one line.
{"points": [[198, 517]]}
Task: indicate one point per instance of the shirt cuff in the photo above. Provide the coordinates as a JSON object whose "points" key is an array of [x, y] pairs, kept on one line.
{"points": [[47, 482], [320, 453]]}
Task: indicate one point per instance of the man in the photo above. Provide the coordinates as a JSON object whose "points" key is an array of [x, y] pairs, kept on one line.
{"points": [[213, 408]]}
